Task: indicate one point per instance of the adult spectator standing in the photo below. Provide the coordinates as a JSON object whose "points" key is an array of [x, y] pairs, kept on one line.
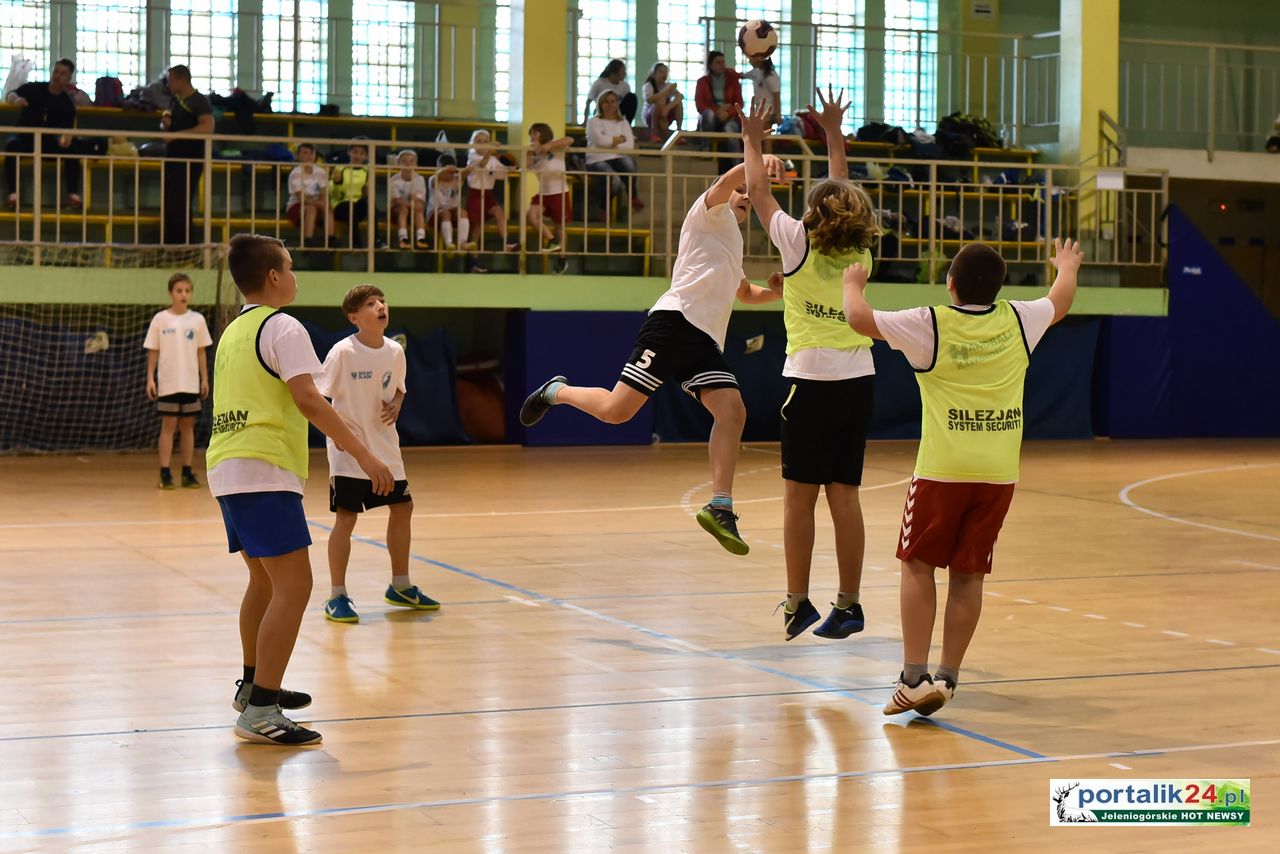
{"points": [[191, 115], [718, 93], [45, 105]]}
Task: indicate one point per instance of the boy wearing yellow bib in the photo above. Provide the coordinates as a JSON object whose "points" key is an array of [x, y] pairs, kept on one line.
{"points": [[970, 359], [829, 369], [264, 395]]}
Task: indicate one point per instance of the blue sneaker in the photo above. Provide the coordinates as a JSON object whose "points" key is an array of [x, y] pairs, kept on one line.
{"points": [[795, 622], [841, 622], [410, 597], [340, 609]]}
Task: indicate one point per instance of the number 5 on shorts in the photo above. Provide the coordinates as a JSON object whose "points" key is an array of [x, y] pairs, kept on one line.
{"points": [[646, 359]]}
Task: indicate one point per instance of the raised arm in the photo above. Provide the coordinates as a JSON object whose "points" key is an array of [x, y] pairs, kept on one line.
{"points": [[857, 310], [1067, 258], [760, 170], [831, 117]]}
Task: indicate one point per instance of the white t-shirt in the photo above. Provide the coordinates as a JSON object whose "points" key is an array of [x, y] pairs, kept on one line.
{"points": [[815, 363], [444, 197], [484, 177], [179, 338], [600, 134], [550, 169], [650, 90], [771, 84], [314, 184], [911, 331], [404, 189], [604, 84], [285, 347], [707, 270], [359, 380]]}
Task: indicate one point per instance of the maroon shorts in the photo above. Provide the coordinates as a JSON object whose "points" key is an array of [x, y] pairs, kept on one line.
{"points": [[558, 207], [294, 213], [478, 204], [953, 524]]}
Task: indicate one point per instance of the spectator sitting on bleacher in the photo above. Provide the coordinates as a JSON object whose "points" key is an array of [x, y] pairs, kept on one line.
{"points": [[546, 159], [608, 129], [718, 93], [444, 211], [663, 103], [612, 79], [45, 105], [349, 192], [408, 193], [308, 197], [484, 170]]}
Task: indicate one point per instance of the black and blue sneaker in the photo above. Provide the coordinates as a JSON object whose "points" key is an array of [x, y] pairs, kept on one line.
{"points": [[795, 622], [841, 622], [536, 405], [288, 699]]}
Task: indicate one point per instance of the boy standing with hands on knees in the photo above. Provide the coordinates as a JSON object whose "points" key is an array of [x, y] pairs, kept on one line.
{"points": [[257, 460], [970, 359]]}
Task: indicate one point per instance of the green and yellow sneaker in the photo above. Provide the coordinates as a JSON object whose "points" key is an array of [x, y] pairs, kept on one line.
{"points": [[723, 525]]}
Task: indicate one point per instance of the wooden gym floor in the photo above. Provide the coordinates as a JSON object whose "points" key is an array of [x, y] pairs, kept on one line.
{"points": [[604, 677]]}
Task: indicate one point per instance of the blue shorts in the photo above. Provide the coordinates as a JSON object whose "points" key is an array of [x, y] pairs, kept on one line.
{"points": [[264, 524]]}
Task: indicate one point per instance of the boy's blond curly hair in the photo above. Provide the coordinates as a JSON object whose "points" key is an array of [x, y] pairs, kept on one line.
{"points": [[840, 218]]}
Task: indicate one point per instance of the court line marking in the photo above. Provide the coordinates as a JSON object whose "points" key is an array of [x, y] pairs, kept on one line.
{"points": [[1129, 502], [650, 701], [663, 637], [611, 793]]}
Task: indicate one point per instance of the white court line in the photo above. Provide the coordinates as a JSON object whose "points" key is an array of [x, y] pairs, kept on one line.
{"points": [[1264, 649], [1171, 633], [1059, 608], [1121, 767], [1222, 642], [521, 601], [1124, 497], [1135, 625], [1256, 565], [1026, 601], [1093, 616]]}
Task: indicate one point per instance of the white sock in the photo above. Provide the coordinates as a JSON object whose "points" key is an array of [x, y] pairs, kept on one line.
{"points": [[446, 228], [401, 582], [422, 234], [464, 229], [404, 234]]}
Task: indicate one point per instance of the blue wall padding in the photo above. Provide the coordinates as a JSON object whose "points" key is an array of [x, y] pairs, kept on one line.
{"points": [[1133, 379]]}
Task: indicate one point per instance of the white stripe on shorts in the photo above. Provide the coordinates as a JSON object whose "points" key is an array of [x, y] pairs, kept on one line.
{"points": [[640, 378]]}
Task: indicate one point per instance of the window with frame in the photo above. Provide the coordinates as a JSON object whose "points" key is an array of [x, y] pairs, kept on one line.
{"points": [[682, 45], [773, 11], [606, 31], [911, 63], [202, 36], [295, 35], [110, 41], [382, 58], [501, 63], [25, 32], [840, 59]]}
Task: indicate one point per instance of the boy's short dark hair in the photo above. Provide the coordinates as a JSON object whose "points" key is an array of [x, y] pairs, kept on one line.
{"points": [[250, 257], [180, 71], [71, 66], [977, 272], [303, 145], [179, 277], [446, 160], [357, 296]]}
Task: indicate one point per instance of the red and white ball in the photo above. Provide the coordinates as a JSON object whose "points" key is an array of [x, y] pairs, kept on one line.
{"points": [[758, 39]]}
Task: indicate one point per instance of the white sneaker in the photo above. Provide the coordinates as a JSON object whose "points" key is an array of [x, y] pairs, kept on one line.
{"points": [[922, 696]]}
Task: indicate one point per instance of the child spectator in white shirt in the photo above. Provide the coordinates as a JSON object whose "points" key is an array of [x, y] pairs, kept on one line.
{"points": [[309, 196], [484, 170], [546, 159], [408, 193], [444, 194]]}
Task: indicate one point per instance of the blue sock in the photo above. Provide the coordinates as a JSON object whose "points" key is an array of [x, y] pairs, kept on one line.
{"points": [[552, 390], [722, 500]]}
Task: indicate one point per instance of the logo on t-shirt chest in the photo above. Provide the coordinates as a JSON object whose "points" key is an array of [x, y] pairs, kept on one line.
{"points": [[362, 375]]}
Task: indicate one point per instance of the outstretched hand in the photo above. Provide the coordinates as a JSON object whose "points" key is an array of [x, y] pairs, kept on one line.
{"points": [[831, 116], [775, 282], [775, 168], [757, 124], [1067, 255]]}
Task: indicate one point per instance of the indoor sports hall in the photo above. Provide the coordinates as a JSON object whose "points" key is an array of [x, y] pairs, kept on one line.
{"points": [[684, 356]]}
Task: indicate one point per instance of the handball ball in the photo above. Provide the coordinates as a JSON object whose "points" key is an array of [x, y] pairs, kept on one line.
{"points": [[758, 39]]}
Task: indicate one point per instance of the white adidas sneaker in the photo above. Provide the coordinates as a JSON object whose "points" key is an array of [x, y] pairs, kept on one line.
{"points": [[906, 698]]}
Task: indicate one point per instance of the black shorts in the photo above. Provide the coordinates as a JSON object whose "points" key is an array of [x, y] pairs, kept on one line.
{"points": [[668, 348], [824, 430], [183, 405], [356, 494]]}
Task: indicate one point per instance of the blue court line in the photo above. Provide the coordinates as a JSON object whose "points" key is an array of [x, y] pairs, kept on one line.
{"points": [[808, 681], [606, 793], [652, 701]]}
